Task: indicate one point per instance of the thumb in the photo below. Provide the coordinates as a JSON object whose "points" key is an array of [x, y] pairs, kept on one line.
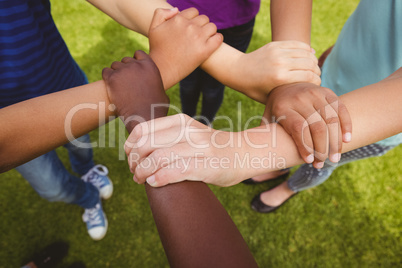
{"points": [[140, 55], [161, 15]]}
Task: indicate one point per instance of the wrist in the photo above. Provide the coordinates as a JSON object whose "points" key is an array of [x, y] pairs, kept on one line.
{"points": [[164, 69], [104, 95], [130, 125]]}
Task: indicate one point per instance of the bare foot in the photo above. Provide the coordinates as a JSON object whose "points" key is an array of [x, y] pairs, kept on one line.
{"points": [[270, 176], [276, 196]]}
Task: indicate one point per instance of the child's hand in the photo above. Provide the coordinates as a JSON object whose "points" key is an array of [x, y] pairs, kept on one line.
{"points": [[275, 64], [180, 43], [134, 85], [315, 118], [176, 148]]}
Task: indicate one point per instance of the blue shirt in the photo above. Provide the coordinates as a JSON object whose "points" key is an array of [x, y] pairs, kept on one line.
{"points": [[34, 60], [368, 49]]}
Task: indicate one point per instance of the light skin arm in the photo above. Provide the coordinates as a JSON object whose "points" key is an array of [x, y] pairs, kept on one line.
{"points": [[39, 124], [375, 112], [194, 228], [291, 20], [45, 117], [184, 213], [266, 68]]}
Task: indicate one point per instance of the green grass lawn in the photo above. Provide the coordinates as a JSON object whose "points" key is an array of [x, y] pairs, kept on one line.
{"points": [[352, 220]]}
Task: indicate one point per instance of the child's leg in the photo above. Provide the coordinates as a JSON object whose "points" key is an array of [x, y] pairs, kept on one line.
{"points": [[212, 98], [307, 176], [80, 153], [50, 179], [213, 91], [190, 91]]}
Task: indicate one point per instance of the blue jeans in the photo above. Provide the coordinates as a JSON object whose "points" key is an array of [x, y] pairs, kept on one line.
{"points": [[200, 82], [50, 179]]}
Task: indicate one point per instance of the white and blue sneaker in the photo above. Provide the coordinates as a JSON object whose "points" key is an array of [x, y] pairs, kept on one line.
{"points": [[98, 177], [96, 222]]}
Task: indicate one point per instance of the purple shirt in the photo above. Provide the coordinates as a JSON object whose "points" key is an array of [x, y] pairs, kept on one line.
{"points": [[224, 13]]}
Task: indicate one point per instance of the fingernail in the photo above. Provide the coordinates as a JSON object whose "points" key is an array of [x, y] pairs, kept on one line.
{"points": [[313, 51], [151, 180], [347, 137], [319, 165], [135, 179], [173, 8], [335, 157], [310, 158]]}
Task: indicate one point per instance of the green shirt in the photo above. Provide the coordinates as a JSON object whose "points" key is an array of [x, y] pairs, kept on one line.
{"points": [[368, 49]]}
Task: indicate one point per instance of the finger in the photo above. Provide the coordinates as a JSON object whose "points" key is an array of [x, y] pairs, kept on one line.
{"points": [[106, 73], [176, 172], [156, 140], [214, 42], [161, 158], [300, 132], [127, 59], [345, 120], [155, 125], [319, 134], [296, 76], [161, 15], [164, 123], [189, 13], [141, 55], [170, 139], [305, 64], [334, 133], [116, 65], [335, 141], [210, 29], [151, 164], [301, 53], [200, 20], [155, 143]]}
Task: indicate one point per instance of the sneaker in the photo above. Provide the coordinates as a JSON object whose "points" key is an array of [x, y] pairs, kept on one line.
{"points": [[96, 222], [51, 255], [98, 177]]}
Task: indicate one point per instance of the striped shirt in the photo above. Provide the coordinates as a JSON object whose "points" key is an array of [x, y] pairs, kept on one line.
{"points": [[34, 60]]}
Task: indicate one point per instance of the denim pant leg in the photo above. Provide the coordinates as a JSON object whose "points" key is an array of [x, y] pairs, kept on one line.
{"points": [[50, 179], [199, 81], [212, 97], [80, 154], [190, 91], [307, 176]]}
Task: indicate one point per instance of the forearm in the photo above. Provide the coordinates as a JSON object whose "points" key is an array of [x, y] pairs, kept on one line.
{"points": [[291, 20], [195, 229], [137, 16], [375, 111], [133, 14], [220, 65], [36, 126]]}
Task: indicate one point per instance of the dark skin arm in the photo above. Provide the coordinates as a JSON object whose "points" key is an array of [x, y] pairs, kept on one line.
{"points": [[291, 20], [195, 229]]}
